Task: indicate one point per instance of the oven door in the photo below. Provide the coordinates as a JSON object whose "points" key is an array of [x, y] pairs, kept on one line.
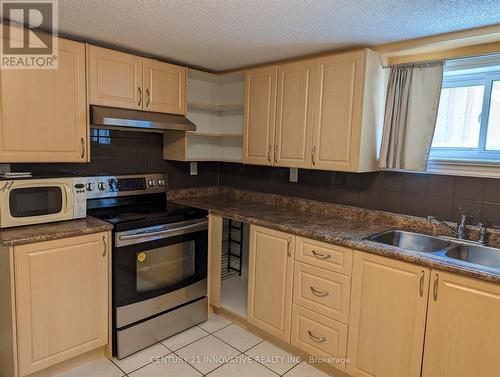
{"points": [[158, 268], [26, 202]]}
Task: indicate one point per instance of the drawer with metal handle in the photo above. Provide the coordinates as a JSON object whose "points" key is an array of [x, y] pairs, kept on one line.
{"points": [[319, 336], [324, 255], [322, 291]]}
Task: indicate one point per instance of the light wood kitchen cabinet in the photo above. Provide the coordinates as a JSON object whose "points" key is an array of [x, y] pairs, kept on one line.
{"points": [[164, 87], [387, 317], [322, 291], [329, 113], [348, 111], [462, 337], [115, 78], [260, 113], [294, 114], [319, 336], [270, 281], [118, 79], [44, 111], [60, 300]]}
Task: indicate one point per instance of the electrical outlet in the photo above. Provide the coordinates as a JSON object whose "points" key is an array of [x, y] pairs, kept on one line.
{"points": [[193, 168], [294, 175]]}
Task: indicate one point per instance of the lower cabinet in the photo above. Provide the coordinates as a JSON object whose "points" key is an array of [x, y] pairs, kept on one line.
{"points": [[270, 281], [462, 338], [319, 336], [387, 317], [61, 299]]}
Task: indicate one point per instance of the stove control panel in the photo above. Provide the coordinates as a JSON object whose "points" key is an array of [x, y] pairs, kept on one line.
{"points": [[122, 185]]}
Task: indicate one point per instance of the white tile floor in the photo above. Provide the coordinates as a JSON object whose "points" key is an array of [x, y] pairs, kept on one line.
{"points": [[216, 348]]}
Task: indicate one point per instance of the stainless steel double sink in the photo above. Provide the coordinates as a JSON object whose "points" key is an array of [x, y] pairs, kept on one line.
{"points": [[455, 249]]}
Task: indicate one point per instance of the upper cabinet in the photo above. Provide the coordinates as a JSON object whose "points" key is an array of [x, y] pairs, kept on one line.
{"points": [[338, 110], [328, 113], [115, 78], [294, 114], [44, 111], [260, 111], [128, 81], [164, 87]]}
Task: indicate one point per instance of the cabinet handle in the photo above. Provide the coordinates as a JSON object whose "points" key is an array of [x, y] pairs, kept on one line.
{"points": [[139, 91], [435, 291], [313, 152], [105, 246], [276, 154], [147, 97], [82, 141], [318, 293], [269, 153], [321, 256], [421, 284], [317, 339], [288, 243]]}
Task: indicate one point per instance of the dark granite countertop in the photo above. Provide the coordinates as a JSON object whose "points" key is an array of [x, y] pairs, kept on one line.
{"points": [[336, 224], [51, 231]]}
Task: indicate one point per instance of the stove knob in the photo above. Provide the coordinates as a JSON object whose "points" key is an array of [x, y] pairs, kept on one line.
{"points": [[151, 183], [89, 187], [101, 186], [161, 182]]}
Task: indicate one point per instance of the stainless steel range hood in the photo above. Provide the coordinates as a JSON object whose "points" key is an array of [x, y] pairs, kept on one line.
{"points": [[112, 116]]}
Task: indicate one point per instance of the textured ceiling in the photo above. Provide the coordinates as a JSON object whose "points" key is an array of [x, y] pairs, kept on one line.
{"points": [[226, 34]]}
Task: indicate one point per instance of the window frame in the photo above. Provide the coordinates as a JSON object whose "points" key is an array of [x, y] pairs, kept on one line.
{"points": [[470, 155]]}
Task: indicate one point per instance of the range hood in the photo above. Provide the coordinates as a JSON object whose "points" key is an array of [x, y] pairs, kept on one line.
{"points": [[112, 116]]}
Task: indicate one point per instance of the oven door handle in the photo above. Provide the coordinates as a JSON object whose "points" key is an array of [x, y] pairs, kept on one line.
{"points": [[201, 225]]}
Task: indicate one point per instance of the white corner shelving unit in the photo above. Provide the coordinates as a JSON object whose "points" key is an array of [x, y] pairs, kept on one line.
{"points": [[215, 104]]}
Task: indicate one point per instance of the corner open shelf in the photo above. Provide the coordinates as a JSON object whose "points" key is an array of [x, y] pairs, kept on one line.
{"points": [[215, 104]]}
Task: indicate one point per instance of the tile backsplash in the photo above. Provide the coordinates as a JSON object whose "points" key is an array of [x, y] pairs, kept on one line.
{"points": [[130, 152], [406, 193]]}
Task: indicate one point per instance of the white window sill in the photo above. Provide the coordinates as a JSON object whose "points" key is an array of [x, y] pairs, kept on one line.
{"points": [[485, 169]]}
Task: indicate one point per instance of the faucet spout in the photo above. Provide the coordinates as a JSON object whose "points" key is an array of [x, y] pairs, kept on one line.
{"points": [[458, 234]]}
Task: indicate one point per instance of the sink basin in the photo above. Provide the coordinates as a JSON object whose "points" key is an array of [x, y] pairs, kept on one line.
{"points": [[485, 256], [410, 241]]}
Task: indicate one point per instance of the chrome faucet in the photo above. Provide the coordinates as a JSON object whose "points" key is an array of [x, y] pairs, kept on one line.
{"points": [[460, 232], [483, 234]]}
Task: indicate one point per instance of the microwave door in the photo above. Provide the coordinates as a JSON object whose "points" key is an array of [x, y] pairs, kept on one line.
{"points": [[31, 202]]}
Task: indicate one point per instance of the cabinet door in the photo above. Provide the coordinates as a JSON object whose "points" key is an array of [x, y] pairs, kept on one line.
{"points": [[260, 111], [462, 338], [337, 123], [44, 111], [387, 317], [270, 281], [115, 78], [294, 114], [164, 87], [61, 299]]}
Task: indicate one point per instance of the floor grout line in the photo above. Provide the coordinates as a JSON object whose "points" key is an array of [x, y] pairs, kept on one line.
{"points": [[265, 366]]}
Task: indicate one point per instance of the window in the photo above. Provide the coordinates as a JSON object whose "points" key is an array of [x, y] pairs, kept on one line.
{"points": [[468, 120]]}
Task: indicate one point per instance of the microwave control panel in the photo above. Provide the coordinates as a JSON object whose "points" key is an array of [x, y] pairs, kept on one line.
{"points": [[80, 198], [109, 186]]}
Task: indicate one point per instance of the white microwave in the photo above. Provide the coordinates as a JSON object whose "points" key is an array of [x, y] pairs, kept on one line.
{"points": [[36, 201]]}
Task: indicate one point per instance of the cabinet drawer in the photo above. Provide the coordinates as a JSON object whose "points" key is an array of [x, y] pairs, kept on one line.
{"points": [[323, 291], [319, 336], [321, 254]]}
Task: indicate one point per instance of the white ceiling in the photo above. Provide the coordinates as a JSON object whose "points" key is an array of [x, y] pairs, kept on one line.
{"points": [[226, 34]]}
